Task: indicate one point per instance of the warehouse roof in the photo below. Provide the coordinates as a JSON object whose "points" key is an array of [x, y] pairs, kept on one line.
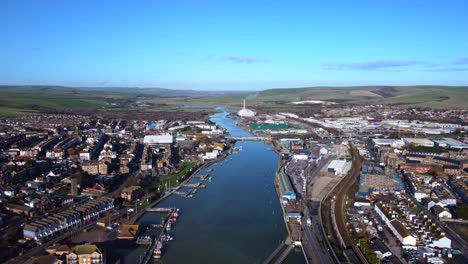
{"points": [[158, 139]]}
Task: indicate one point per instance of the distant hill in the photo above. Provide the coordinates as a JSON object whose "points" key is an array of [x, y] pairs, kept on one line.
{"points": [[135, 91], [426, 96], [16, 100], [19, 100]]}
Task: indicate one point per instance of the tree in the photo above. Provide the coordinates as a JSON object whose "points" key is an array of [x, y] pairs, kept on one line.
{"points": [[71, 151], [462, 211]]}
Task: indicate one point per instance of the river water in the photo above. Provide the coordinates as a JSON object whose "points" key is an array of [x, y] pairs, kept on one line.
{"points": [[236, 219]]}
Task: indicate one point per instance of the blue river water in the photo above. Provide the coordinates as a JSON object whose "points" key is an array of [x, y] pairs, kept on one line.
{"points": [[236, 219]]}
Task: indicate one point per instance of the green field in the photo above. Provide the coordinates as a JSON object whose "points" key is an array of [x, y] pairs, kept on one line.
{"points": [[405, 96], [256, 126], [26, 100], [174, 179]]}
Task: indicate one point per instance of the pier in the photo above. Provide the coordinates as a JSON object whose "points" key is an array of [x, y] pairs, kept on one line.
{"points": [[192, 185], [149, 252], [150, 233], [160, 209], [280, 253], [202, 177]]}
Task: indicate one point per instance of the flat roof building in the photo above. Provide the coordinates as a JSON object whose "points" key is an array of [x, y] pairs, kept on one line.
{"points": [[158, 139]]}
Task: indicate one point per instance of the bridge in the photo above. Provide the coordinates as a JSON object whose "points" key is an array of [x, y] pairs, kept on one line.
{"points": [[250, 138]]}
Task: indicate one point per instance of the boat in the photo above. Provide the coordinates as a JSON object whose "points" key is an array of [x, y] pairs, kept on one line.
{"points": [[168, 227], [158, 250], [166, 238], [210, 170], [203, 186]]}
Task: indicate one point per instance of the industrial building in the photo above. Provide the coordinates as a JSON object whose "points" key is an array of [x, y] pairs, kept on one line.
{"points": [[450, 143], [244, 112], [285, 186], [339, 167], [418, 142], [158, 139]]}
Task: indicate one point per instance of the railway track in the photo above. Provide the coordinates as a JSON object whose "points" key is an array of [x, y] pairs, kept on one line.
{"points": [[340, 203]]}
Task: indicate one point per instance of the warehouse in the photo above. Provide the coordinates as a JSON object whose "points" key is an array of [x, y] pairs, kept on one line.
{"points": [[450, 142], [339, 167], [419, 142], [158, 139], [286, 189]]}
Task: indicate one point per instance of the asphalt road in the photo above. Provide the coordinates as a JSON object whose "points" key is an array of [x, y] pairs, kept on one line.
{"points": [[313, 242]]}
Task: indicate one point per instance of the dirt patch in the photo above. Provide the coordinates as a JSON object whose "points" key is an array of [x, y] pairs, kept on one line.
{"points": [[322, 186], [365, 93], [387, 92]]}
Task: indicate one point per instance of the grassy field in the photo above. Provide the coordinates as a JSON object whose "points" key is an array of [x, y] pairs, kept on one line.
{"points": [[281, 98], [173, 179], [25, 100]]}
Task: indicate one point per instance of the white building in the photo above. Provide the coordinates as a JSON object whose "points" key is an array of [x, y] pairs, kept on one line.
{"points": [[158, 139], [443, 242], [339, 167], [210, 155], [400, 231], [397, 228], [244, 112], [300, 156], [85, 155], [441, 212], [323, 151], [419, 142], [394, 143]]}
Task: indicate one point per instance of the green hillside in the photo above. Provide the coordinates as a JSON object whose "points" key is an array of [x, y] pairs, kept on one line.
{"points": [[424, 96]]}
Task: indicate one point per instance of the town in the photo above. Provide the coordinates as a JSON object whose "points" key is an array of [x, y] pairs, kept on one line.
{"points": [[62, 174], [367, 185]]}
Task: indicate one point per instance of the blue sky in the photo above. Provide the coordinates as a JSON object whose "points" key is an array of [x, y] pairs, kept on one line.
{"points": [[243, 45]]}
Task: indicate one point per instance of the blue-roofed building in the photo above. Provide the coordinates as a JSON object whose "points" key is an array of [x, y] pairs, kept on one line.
{"points": [[285, 187], [152, 126], [296, 216]]}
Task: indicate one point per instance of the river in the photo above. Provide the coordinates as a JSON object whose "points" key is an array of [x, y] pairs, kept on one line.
{"points": [[237, 218]]}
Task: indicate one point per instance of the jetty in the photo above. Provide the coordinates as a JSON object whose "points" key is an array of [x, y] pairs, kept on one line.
{"points": [[157, 239]]}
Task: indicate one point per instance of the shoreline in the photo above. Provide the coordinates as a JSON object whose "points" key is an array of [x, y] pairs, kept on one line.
{"points": [[135, 218]]}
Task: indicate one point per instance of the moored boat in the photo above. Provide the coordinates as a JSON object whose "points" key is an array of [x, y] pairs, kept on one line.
{"points": [[158, 250]]}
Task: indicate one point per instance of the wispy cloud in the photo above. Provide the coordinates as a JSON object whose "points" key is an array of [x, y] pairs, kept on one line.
{"points": [[457, 65], [242, 59], [461, 61], [448, 69], [371, 65]]}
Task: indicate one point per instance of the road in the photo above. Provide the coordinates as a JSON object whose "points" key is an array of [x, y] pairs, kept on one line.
{"points": [[313, 242]]}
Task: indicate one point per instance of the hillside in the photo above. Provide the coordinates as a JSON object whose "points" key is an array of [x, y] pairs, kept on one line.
{"points": [[424, 96], [20, 100]]}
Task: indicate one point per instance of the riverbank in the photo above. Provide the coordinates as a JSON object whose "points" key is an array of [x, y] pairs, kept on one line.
{"points": [[136, 217]]}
